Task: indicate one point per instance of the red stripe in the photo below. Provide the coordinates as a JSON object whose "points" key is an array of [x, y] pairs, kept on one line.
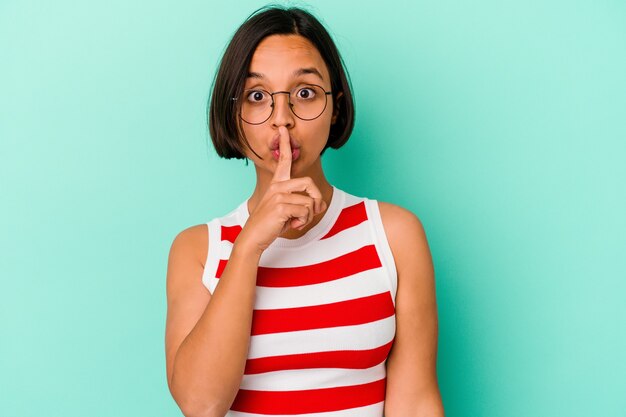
{"points": [[309, 401], [343, 313], [348, 359], [220, 267], [230, 233], [349, 217], [360, 260]]}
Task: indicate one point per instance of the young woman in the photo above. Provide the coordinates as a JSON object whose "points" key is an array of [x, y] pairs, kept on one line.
{"points": [[305, 299]]}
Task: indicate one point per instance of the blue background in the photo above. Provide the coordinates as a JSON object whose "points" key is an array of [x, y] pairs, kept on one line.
{"points": [[501, 124]]}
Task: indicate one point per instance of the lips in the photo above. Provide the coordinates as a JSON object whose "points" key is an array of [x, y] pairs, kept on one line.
{"points": [[276, 143], [295, 154]]}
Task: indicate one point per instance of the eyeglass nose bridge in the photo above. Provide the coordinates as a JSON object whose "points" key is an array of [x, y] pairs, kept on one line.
{"points": [[288, 99], [288, 102]]}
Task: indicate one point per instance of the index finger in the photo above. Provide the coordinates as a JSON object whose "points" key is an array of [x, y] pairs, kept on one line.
{"points": [[283, 168]]}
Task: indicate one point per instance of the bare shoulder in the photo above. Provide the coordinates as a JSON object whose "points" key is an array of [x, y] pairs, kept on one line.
{"points": [[412, 362], [191, 242], [185, 264], [394, 216], [186, 295], [405, 233]]}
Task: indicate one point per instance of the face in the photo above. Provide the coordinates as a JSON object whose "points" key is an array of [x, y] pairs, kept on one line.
{"points": [[274, 63]]}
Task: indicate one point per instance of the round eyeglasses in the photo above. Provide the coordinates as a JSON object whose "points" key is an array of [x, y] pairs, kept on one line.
{"points": [[306, 101]]}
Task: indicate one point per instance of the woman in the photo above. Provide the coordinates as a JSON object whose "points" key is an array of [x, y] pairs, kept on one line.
{"points": [[305, 299]]}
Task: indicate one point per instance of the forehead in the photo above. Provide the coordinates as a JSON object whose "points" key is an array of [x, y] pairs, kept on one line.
{"points": [[278, 58]]}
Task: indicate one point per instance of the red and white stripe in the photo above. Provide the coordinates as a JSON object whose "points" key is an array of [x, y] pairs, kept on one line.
{"points": [[324, 315]]}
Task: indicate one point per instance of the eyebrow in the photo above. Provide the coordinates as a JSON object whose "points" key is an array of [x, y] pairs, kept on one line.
{"points": [[296, 73]]}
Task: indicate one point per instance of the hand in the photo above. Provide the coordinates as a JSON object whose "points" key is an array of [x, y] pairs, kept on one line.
{"points": [[280, 208]]}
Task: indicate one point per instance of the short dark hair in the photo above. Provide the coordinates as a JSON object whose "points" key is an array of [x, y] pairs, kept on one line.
{"points": [[225, 126]]}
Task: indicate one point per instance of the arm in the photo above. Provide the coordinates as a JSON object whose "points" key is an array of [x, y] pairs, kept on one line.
{"points": [[207, 342], [412, 388]]}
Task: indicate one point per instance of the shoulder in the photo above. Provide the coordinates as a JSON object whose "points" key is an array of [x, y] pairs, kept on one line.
{"points": [[191, 242], [405, 234], [187, 297], [411, 365], [397, 217], [400, 223]]}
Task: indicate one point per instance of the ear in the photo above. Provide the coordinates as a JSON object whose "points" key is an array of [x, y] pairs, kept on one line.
{"points": [[336, 108]]}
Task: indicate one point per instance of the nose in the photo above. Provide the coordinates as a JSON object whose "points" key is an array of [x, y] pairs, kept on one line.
{"points": [[282, 114]]}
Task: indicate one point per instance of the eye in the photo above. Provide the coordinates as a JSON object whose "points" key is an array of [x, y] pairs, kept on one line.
{"points": [[306, 93], [256, 96]]}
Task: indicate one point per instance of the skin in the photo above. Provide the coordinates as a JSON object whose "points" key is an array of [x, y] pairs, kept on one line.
{"points": [[412, 387], [277, 57]]}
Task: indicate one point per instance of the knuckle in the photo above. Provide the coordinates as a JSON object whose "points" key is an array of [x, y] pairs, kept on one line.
{"points": [[282, 209]]}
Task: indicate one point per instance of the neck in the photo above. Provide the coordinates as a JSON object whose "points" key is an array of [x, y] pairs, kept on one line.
{"points": [[316, 173]]}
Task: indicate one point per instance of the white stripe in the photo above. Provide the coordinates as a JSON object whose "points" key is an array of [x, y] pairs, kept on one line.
{"points": [[231, 218], [374, 410], [346, 241], [351, 199], [362, 284], [314, 378], [212, 258], [359, 285], [359, 337], [382, 245]]}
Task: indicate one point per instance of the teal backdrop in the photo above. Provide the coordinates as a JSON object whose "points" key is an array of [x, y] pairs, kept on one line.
{"points": [[502, 125]]}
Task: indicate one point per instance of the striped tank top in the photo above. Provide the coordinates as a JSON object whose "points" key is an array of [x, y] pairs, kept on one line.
{"points": [[324, 314]]}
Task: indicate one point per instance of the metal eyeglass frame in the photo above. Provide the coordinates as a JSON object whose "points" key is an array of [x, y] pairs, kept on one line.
{"points": [[326, 93]]}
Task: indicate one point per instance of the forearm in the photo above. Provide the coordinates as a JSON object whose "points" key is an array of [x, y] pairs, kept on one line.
{"points": [[211, 360], [427, 404], [430, 406]]}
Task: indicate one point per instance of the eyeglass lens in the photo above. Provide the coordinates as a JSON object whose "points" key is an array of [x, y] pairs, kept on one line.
{"points": [[307, 102]]}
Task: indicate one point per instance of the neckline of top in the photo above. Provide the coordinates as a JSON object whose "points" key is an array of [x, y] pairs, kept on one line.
{"points": [[320, 229]]}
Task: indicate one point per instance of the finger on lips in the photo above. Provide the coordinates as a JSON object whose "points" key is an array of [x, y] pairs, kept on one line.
{"points": [[283, 168], [283, 173]]}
